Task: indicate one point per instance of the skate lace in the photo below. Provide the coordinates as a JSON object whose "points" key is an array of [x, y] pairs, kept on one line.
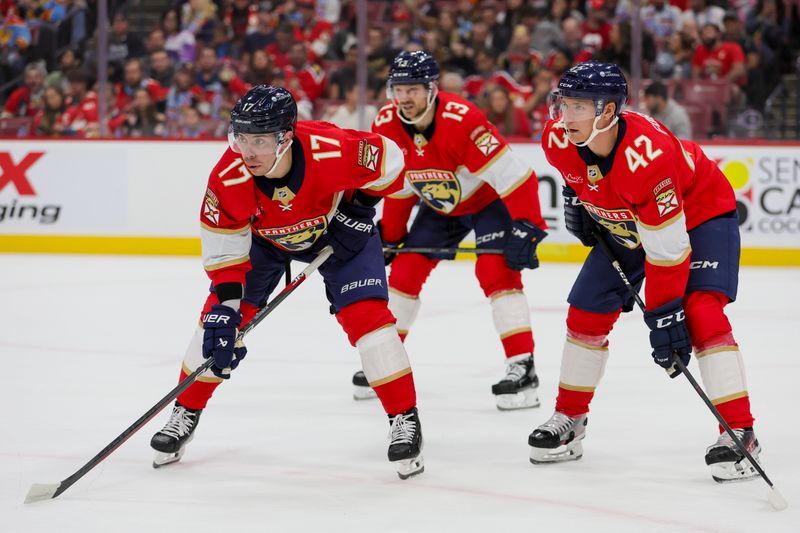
{"points": [[558, 424], [515, 371], [180, 423], [403, 429]]}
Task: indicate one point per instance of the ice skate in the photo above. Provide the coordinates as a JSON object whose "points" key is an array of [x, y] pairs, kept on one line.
{"points": [[361, 388], [519, 389], [170, 443], [558, 439], [727, 463], [405, 444]]}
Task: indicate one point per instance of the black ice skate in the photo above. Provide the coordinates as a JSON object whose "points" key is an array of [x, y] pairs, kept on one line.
{"points": [[405, 443], [170, 443], [519, 389], [361, 388], [727, 463], [558, 439]]}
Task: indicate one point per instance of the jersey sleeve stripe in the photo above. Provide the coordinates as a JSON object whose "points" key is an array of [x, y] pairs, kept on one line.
{"points": [[516, 185], [392, 164], [224, 231], [668, 245], [491, 162], [225, 264], [663, 225]]}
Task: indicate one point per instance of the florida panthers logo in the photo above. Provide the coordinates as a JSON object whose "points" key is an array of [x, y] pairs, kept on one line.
{"points": [[620, 223], [297, 237], [439, 189]]}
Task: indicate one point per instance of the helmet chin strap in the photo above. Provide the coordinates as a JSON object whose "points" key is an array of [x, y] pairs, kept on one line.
{"points": [[431, 97], [595, 131], [278, 156]]}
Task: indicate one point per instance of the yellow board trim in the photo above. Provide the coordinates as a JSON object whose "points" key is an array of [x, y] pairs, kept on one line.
{"points": [[140, 245]]}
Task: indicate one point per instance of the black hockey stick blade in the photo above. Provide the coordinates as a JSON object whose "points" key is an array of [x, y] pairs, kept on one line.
{"points": [[44, 491]]}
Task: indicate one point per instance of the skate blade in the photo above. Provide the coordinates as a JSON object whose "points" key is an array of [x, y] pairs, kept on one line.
{"points": [[407, 468], [732, 472], [163, 459], [568, 452], [524, 399], [363, 393]]}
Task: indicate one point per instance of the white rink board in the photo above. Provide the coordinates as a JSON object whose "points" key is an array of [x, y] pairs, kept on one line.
{"points": [[155, 188], [90, 343]]}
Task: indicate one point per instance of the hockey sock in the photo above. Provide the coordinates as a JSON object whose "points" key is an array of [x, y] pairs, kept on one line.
{"points": [[199, 392], [510, 311], [404, 307], [718, 356], [584, 359], [386, 366]]}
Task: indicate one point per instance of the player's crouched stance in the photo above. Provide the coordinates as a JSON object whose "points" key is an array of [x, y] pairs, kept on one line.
{"points": [[667, 213], [283, 191]]}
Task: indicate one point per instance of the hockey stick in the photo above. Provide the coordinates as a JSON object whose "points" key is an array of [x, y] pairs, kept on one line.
{"points": [[775, 498], [45, 491], [476, 251]]}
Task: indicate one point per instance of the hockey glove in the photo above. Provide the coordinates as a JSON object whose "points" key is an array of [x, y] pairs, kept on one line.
{"points": [[578, 221], [520, 247], [349, 230], [219, 339], [388, 257], [668, 335]]}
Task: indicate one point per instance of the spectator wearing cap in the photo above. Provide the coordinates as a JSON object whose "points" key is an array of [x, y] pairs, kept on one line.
{"points": [[661, 19], [27, 100], [345, 115], [667, 111], [596, 28], [717, 60], [734, 29], [262, 34], [701, 14], [317, 33]]}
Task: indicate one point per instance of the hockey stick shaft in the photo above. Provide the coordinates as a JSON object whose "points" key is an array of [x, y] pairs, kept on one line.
{"points": [[476, 251], [677, 361], [46, 491]]}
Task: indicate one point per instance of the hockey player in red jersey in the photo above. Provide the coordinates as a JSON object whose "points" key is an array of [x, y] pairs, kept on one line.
{"points": [[467, 178], [669, 214], [282, 191]]}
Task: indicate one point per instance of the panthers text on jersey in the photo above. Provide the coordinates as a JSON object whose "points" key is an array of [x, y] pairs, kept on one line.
{"points": [[294, 211], [650, 191], [458, 165]]}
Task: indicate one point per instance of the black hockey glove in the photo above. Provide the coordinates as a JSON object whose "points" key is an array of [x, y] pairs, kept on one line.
{"points": [[668, 335], [520, 246], [219, 339], [388, 257], [578, 221], [350, 228]]}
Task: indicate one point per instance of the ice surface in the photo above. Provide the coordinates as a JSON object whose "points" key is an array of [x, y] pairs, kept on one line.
{"points": [[90, 343]]}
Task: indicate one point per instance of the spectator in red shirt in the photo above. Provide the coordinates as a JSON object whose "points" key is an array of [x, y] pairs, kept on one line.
{"points": [[520, 60], [510, 120], [279, 50], [310, 78], [81, 115], [596, 29], [134, 79], [717, 60], [317, 33], [49, 121], [27, 100]]}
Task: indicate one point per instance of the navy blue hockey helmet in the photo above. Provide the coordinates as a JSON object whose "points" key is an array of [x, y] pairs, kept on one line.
{"points": [[593, 80], [413, 67], [264, 109]]}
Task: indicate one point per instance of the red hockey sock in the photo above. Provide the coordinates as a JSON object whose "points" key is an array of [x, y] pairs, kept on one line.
{"points": [[736, 413], [199, 392], [573, 403], [519, 343], [399, 395]]}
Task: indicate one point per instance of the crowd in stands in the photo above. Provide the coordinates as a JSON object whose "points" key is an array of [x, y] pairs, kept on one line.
{"points": [[180, 77]]}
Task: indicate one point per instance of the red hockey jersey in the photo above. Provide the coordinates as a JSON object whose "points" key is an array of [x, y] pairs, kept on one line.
{"points": [[457, 166], [291, 212], [650, 190]]}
